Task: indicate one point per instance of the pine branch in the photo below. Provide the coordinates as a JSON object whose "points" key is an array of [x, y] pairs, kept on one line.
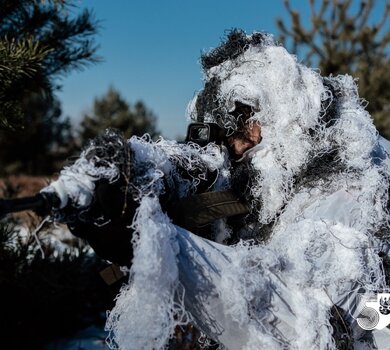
{"points": [[20, 65], [30, 73]]}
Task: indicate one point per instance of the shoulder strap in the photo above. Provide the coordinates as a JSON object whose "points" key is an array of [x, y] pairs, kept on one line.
{"points": [[202, 209]]}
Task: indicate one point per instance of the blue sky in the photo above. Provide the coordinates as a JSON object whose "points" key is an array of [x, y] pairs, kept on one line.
{"points": [[151, 51]]}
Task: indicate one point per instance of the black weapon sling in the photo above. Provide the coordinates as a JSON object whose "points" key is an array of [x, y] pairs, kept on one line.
{"points": [[201, 209]]}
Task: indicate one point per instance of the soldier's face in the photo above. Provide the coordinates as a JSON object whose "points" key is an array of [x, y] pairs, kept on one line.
{"points": [[246, 138], [248, 133]]}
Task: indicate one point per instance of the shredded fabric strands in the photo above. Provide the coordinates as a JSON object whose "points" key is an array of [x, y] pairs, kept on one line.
{"points": [[35, 232], [106, 157], [145, 314]]}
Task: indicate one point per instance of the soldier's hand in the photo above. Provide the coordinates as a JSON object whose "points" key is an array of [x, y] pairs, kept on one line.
{"points": [[110, 236]]}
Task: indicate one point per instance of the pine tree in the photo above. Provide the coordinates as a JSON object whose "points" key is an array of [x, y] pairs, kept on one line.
{"points": [[41, 147], [112, 111], [50, 24], [20, 65], [340, 40], [40, 42]]}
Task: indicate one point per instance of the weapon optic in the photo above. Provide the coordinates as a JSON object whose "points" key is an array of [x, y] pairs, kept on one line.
{"points": [[204, 133]]}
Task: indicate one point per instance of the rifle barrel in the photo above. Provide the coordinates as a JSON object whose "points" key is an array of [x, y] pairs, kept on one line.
{"points": [[39, 203]]}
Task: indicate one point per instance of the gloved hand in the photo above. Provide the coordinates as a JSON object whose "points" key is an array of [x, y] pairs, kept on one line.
{"points": [[112, 239]]}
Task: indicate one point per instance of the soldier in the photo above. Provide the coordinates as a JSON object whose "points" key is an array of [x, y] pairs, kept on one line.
{"points": [[263, 238]]}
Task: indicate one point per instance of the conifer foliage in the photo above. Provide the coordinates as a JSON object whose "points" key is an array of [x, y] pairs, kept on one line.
{"points": [[40, 41], [113, 111], [20, 64], [344, 38]]}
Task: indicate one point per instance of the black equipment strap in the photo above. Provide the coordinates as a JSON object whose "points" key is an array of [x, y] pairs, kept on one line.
{"points": [[111, 274], [202, 209]]}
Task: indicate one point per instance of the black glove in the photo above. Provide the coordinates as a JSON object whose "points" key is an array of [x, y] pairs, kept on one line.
{"points": [[112, 239]]}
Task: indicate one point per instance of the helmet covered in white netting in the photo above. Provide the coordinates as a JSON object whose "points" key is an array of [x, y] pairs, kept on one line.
{"points": [[288, 99]]}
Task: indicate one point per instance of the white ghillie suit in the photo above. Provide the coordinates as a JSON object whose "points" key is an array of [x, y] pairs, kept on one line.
{"points": [[318, 189]]}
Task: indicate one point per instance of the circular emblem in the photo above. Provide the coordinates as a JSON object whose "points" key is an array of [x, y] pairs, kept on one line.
{"points": [[368, 318]]}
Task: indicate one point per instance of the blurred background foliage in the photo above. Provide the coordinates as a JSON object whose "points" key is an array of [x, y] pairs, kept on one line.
{"points": [[51, 296], [111, 110], [342, 38]]}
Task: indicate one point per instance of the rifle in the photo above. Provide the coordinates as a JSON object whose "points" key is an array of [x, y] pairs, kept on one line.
{"points": [[41, 203], [111, 237]]}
